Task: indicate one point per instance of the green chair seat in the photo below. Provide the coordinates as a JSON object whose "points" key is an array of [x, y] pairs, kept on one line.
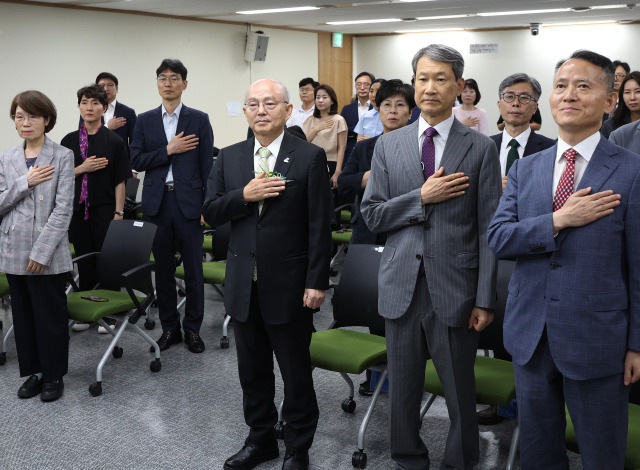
{"points": [[345, 217], [4, 285], [342, 237], [73, 250], [89, 311], [346, 351], [633, 437], [495, 384], [207, 244], [214, 272]]}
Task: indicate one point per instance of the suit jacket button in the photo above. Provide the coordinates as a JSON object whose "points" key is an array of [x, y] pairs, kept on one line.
{"points": [[41, 198], [554, 265], [258, 226], [413, 220], [12, 227], [419, 256], [39, 229]]}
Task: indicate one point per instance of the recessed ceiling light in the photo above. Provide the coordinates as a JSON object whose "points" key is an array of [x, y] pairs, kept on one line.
{"points": [[523, 12], [429, 30], [607, 7], [384, 20], [443, 17], [275, 10], [580, 23]]}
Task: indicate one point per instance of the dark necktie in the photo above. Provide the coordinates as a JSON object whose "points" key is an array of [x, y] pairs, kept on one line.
{"points": [[429, 152], [565, 185], [512, 156]]}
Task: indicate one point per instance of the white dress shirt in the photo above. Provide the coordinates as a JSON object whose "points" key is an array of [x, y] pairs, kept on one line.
{"points": [[170, 123], [109, 113], [274, 148], [362, 108], [299, 116], [439, 140], [585, 150], [522, 139]]}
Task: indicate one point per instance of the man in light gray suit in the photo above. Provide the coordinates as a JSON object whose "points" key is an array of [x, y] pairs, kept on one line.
{"points": [[627, 136], [437, 276]]}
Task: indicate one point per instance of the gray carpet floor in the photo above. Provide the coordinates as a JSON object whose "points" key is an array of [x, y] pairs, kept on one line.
{"points": [[188, 415]]}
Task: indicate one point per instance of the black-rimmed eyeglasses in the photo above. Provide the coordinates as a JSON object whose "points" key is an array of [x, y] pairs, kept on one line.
{"points": [[522, 99]]}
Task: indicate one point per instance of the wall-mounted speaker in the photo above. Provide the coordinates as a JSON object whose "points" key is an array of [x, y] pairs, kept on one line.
{"points": [[256, 48]]}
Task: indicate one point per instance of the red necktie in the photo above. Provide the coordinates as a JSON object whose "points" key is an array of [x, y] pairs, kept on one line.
{"points": [[565, 185], [429, 152]]}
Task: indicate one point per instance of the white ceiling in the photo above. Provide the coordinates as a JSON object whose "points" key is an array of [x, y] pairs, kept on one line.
{"points": [[361, 10]]}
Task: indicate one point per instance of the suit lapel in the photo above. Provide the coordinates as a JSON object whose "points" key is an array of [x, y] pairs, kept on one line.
{"points": [[600, 167], [544, 175], [284, 162], [46, 154], [456, 148], [246, 162], [157, 119], [183, 120], [18, 160]]}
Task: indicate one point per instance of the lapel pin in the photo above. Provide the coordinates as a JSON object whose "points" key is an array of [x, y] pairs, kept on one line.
{"points": [[286, 160]]}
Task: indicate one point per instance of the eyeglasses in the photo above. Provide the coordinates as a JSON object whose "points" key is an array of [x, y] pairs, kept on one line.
{"points": [[621, 75], [388, 106], [269, 104], [522, 99], [363, 85], [20, 118], [306, 90], [173, 79], [111, 85]]}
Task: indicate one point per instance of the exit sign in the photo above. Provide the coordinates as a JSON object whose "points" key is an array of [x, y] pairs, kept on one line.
{"points": [[336, 40]]}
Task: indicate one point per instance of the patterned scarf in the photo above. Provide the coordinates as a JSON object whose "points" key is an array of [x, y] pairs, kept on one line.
{"points": [[84, 145]]}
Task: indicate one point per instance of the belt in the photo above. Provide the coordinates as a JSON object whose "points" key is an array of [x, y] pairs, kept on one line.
{"points": [[168, 187]]}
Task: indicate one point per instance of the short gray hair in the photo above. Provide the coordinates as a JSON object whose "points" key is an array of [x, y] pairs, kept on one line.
{"points": [[521, 78], [283, 88], [441, 53]]}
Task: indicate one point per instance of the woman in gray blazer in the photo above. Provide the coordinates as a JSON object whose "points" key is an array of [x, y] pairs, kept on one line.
{"points": [[36, 196]]}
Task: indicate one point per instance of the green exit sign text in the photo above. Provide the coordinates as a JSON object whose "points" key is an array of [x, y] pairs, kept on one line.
{"points": [[336, 40]]}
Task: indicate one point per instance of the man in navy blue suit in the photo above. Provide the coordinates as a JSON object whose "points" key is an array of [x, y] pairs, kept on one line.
{"points": [[570, 216], [174, 145], [353, 111]]}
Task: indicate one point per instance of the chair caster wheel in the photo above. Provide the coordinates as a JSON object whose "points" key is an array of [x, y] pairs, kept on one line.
{"points": [[3, 359], [349, 405], [149, 324], [155, 365], [359, 459], [278, 430], [224, 342], [95, 389], [117, 352]]}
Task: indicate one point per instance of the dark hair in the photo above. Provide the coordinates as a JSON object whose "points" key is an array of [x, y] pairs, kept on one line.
{"points": [[471, 83], [624, 65], [396, 87], [622, 115], [308, 81], [174, 65], [108, 76], [362, 74], [37, 104], [94, 91], [521, 78], [608, 70], [332, 94], [378, 80], [440, 53]]}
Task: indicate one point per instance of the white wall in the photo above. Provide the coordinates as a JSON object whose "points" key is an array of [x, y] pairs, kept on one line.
{"points": [[57, 51], [390, 57]]}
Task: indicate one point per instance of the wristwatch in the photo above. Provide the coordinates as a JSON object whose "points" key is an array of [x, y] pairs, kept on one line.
{"points": [[120, 213]]}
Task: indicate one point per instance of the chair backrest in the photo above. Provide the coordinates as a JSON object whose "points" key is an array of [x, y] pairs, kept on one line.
{"points": [[220, 241], [127, 245], [355, 298], [491, 336], [131, 188]]}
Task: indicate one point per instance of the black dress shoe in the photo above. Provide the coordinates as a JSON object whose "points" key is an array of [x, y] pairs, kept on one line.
{"points": [[489, 416], [31, 387], [296, 460], [250, 456], [167, 339], [193, 340], [365, 389], [51, 391]]}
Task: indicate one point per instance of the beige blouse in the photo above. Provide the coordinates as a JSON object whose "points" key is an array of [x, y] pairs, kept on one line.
{"points": [[327, 138]]}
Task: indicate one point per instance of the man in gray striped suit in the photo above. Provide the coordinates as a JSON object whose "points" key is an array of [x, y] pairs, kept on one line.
{"points": [[437, 276]]}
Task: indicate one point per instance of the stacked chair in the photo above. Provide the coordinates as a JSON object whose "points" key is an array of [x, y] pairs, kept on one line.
{"points": [[342, 235], [123, 263]]}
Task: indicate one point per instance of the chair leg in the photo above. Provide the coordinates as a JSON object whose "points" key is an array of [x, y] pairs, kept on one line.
{"points": [[224, 341], [3, 354], [112, 345], [515, 442], [427, 405], [367, 415], [349, 383], [148, 339], [107, 327], [183, 300]]}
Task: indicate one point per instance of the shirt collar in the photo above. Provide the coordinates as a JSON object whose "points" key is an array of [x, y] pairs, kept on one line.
{"points": [[274, 147], [112, 105], [443, 127], [522, 138], [176, 112], [585, 148]]}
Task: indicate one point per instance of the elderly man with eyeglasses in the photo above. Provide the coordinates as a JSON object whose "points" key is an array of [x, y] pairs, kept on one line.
{"points": [[518, 97], [173, 144]]}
